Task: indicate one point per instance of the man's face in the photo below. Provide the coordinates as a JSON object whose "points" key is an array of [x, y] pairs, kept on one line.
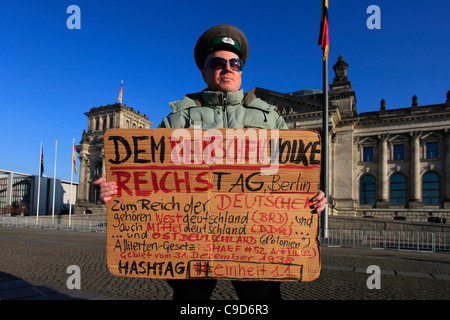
{"points": [[226, 79]]}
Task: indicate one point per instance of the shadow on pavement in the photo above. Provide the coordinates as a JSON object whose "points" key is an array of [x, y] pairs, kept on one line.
{"points": [[14, 288]]}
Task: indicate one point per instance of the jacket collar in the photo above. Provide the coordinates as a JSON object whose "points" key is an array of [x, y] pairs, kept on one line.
{"points": [[218, 98], [210, 99]]}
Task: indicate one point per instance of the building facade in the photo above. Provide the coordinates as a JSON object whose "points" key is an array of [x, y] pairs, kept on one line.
{"points": [[92, 153], [19, 193], [390, 163]]}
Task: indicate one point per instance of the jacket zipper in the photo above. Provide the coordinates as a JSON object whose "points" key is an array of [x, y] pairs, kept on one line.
{"points": [[224, 114]]}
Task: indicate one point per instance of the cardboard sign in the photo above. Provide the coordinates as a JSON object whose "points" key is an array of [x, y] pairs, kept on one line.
{"points": [[218, 203]]}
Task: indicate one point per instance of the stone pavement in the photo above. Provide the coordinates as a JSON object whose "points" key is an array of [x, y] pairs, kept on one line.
{"points": [[34, 262]]}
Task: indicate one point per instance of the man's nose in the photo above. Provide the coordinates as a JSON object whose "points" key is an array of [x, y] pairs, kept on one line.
{"points": [[227, 68]]}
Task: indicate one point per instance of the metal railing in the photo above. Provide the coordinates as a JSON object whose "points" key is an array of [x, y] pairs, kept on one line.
{"points": [[46, 222], [376, 239], [389, 239]]}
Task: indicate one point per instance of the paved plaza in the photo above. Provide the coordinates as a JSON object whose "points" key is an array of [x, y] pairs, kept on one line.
{"points": [[34, 265]]}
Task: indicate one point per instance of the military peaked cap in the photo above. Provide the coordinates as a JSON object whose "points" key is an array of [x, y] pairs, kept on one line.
{"points": [[220, 37]]}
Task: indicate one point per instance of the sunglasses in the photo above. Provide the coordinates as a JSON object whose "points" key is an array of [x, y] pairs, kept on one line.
{"points": [[218, 63]]}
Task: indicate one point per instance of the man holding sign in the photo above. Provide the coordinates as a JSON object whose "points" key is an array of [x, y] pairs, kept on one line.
{"points": [[220, 54]]}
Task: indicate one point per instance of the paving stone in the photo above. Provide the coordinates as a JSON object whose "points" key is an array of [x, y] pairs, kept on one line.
{"points": [[33, 266]]}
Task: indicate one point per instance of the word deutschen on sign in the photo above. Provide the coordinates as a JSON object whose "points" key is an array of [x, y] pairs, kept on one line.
{"points": [[219, 204]]}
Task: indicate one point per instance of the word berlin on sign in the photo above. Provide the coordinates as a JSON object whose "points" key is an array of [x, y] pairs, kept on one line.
{"points": [[218, 203]]}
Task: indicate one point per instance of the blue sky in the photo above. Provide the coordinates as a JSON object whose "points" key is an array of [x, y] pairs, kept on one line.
{"points": [[51, 76]]}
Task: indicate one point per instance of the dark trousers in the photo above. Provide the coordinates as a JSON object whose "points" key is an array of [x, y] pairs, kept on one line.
{"points": [[245, 290]]}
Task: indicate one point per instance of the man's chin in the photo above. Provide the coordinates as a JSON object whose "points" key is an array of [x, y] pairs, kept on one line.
{"points": [[227, 89]]}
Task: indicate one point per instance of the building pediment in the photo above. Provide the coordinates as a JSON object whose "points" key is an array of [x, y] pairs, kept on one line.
{"points": [[433, 135], [366, 140], [398, 138]]}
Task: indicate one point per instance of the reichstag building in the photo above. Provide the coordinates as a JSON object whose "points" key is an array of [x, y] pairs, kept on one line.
{"points": [[389, 164]]}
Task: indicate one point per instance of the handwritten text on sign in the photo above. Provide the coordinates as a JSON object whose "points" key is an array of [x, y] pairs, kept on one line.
{"points": [[220, 203]]}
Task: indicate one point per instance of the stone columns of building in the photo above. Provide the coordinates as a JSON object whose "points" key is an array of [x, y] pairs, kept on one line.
{"points": [[102, 156], [9, 189], [101, 124], [447, 170], [383, 172], [415, 195], [83, 193]]}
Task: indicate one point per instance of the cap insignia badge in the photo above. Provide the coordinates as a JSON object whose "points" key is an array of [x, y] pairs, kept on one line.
{"points": [[228, 40]]}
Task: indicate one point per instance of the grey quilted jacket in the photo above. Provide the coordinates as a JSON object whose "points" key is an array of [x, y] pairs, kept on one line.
{"points": [[223, 110]]}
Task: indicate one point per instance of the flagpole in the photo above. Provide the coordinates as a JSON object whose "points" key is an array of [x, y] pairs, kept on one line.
{"points": [[325, 148], [54, 182], [39, 185], [71, 180], [324, 43]]}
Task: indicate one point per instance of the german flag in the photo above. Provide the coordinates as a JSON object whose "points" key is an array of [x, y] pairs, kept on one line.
{"points": [[42, 160], [323, 36], [74, 159], [120, 93]]}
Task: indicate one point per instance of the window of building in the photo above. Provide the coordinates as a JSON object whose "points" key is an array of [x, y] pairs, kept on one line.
{"points": [[97, 124], [367, 154], [399, 152], [98, 169], [398, 189], [111, 121], [430, 188], [432, 150], [367, 190]]}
